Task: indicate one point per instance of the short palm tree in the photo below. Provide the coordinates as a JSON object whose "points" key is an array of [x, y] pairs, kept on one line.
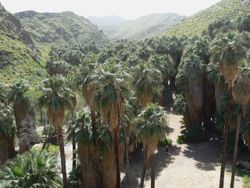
{"points": [[151, 127], [24, 116], [147, 83], [241, 95], [7, 134], [32, 169], [58, 98], [228, 51]]}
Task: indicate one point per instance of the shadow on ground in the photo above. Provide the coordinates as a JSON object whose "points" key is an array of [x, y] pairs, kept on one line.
{"points": [[162, 159], [207, 154]]}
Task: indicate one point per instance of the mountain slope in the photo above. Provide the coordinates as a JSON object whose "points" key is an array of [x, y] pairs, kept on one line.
{"points": [[199, 22], [142, 27], [17, 51], [48, 29]]}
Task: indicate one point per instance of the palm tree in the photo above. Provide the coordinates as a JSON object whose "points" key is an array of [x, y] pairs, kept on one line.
{"points": [[166, 66], [58, 98], [110, 100], [98, 167], [190, 81], [244, 23], [107, 154], [131, 111], [72, 126], [88, 81], [227, 50], [147, 83], [3, 93], [7, 134], [151, 127], [83, 134], [241, 95], [32, 169], [174, 48], [24, 116]]}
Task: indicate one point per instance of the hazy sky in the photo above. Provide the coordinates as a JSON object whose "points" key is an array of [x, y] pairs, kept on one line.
{"points": [[124, 8]]}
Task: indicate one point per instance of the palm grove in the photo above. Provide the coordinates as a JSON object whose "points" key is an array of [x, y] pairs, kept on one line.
{"points": [[114, 100]]}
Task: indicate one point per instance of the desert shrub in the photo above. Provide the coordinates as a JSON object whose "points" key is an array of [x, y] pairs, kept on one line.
{"points": [[74, 178]]}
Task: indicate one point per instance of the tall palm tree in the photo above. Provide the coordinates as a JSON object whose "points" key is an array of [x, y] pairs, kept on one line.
{"points": [[24, 116], [98, 166], [58, 98], [165, 65], [131, 111], [147, 83], [174, 47], [190, 81], [88, 81], [110, 100], [32, 169], [227, 50], [7, 134], [151, 127], [107, 154], [241, 95], [83, 134]]}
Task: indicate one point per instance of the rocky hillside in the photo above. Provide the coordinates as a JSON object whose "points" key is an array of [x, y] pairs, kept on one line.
{"points": [[17, 51], [48, 29], [27, 37], [142, 27], [199, 22]]}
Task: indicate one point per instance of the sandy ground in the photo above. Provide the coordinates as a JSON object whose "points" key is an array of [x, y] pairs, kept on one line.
{"points": [[183, 166]]}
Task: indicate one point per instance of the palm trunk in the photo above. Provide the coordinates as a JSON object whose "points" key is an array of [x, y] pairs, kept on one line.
{"points": [[62, 155], [172, 83], [74, 151], [152, 172], [145, 166], [12, 151], [94, 130], [235, 149], [126, 158], [98, 174], [116, 150], [225, 136]]}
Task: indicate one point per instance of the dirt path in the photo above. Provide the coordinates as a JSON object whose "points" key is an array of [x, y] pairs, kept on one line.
{"points": [[185, 165]]}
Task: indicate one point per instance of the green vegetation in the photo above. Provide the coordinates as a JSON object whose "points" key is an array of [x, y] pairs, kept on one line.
{"points": [[17, 52], [32, 169], [198, 23], [60, 29], [246, 177], [125, 90]]}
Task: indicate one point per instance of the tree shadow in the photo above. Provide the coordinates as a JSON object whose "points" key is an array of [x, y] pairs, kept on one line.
{"points": [[162, 158], [169, 130], [206, 154]]}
